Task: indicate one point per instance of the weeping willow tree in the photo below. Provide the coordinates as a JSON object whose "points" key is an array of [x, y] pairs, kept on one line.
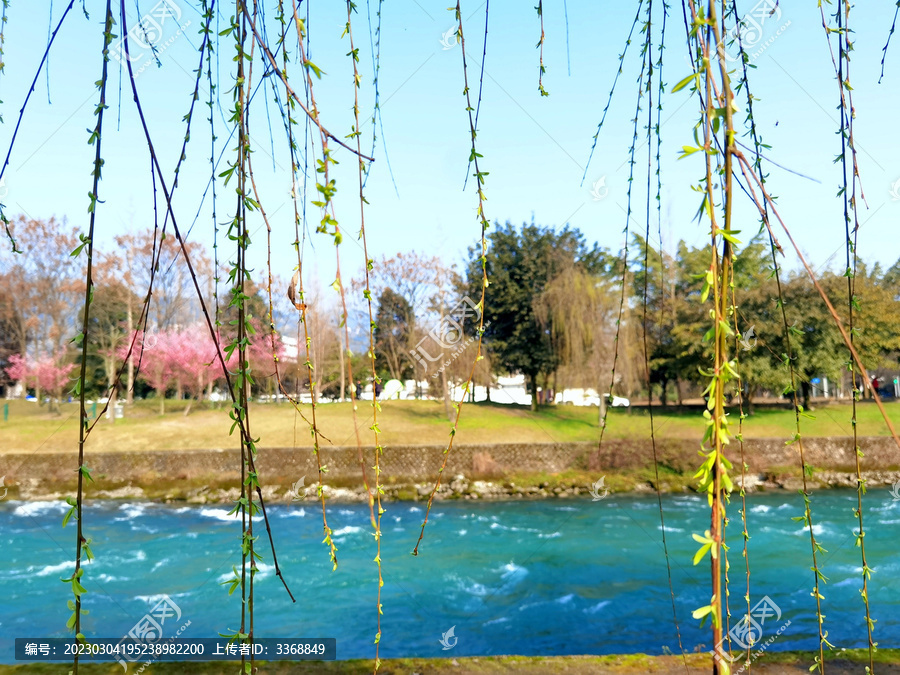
{"points": [[272, 42], [579, 311]]}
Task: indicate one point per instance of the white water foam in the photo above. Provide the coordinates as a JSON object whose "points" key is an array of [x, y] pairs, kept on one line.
{"points": [[39, 508], [512, 528], [467, 585], [596, 608], [511, 572], [54, 569], [264, 570], [818, 530], [349, 529], [218, 514], [109, 577], [130, 511]]}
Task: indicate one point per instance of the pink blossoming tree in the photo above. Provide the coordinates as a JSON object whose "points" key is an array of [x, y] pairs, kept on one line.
{"points": [[186, 359], [48, 374], [152, 352]]}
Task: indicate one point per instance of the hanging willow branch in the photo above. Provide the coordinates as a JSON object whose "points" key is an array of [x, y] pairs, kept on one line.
{"points": [[744, 84], [540, 45], [716, 112], [82, 543], [156, 252], [612, 91], [887, 43], [367, 293], [237, 232], [645, 86], [12, 140], [603, 407], [848, 192], [327, 189], [745, 533], [483, 222], [311, 111], [297, 297], [167, 194]]}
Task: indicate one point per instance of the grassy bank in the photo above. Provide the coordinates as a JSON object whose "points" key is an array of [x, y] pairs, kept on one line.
{"points": [[30, 427], [782, 663]]}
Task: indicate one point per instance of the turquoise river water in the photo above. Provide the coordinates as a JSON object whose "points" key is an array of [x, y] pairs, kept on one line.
{"points": [[538, 577]]}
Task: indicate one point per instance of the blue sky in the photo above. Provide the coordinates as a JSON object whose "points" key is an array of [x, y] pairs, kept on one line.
{"points": [[535, 148]]}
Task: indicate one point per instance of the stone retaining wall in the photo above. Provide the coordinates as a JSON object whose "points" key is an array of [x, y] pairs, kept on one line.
{"points": [[412, 463]]}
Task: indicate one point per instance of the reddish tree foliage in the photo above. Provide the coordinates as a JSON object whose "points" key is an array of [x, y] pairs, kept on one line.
{"points": [[194, 360], [187, 359], [48, 374], [152, 352]]}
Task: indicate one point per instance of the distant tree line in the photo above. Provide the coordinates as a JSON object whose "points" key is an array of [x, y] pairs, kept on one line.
{"points": [[554, 303], [557, 313], [41, 298], [766, 316]]}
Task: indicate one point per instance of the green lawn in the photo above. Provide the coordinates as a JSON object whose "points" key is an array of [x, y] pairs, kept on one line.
{"points": [[31, 428]]}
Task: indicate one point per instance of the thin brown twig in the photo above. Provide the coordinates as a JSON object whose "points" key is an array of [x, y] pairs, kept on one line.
{"points": [[15, 133], [834, 315]]}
